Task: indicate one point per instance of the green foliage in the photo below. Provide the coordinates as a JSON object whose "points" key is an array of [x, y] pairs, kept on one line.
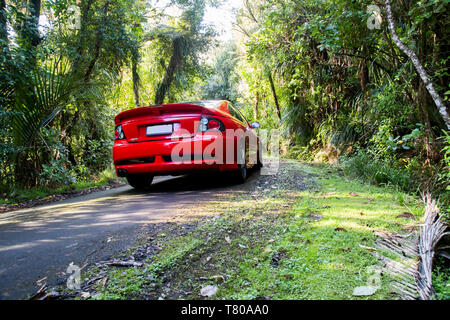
{"points": [[377, 171], [223, 82], [98, 154], [340, 91], [39, 97], [444, 176], [56, 118], [58, 171], [441, 280]]}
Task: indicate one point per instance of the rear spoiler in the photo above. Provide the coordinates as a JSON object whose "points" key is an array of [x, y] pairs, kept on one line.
{"points": [[158, 110]]}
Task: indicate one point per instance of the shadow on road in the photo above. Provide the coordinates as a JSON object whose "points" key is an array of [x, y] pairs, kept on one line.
{"points": [[201, 181]]}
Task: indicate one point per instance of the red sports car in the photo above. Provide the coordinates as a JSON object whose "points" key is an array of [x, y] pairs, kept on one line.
{"points": [[179, 138]]}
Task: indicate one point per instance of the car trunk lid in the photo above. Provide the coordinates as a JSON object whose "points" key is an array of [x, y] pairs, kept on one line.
{"points": [[160, 122]]}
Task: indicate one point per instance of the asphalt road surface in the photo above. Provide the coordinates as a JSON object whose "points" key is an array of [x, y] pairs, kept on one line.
{"points": [[38, 244]]}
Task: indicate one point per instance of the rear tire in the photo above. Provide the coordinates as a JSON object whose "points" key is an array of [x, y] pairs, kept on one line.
{"points": [[259, 163], [140, 182], [241, 173]]}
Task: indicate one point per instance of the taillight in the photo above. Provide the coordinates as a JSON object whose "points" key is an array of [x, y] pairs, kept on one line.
{"points": [[211, 124], [118, 133]]}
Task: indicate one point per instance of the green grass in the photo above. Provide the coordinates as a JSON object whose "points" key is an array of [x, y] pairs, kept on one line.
{"points": [[41, 192], [284, 243], [321, 262]]}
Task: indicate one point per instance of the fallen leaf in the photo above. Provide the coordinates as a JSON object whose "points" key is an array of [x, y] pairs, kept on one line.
{"points": [[208, 291], [364, 291]]}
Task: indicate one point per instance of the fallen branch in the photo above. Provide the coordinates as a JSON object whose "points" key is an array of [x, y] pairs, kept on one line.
{"points": [[121, 263]]}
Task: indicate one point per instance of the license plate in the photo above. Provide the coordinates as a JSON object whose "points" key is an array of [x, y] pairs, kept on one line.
{"points": [[159, 130]]}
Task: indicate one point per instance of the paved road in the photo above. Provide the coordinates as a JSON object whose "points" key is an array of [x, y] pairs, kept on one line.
{"points": [[39, 243]]}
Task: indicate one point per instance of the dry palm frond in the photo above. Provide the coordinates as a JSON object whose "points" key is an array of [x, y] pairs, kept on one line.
{"points": [[431, 231], [413, 272], [404, 271]]}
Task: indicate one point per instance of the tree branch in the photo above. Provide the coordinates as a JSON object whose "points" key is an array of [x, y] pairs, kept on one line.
{"points": [[418, 65]]}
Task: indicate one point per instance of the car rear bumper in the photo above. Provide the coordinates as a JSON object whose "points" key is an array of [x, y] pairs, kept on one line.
{"points": [[155, 157]]}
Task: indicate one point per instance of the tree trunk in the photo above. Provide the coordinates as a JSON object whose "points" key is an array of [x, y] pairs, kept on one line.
{"points": [[136, 81], [29, 31], [274, 93], [98, 44], [255, 113], [174, 65], [419, 68], [3, 29], [81, 35]]}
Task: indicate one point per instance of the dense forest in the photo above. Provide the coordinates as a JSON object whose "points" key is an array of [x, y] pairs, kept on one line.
{"points": [[366, 89]]}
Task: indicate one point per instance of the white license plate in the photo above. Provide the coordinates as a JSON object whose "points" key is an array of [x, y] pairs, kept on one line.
{"points": [[159, 130]]}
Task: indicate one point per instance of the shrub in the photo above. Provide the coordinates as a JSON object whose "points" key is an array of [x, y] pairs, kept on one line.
{"points": [[376, 171], [57, 173]]}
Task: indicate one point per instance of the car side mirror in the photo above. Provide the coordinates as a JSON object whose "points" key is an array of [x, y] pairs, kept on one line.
{"points": [[256, 124]]}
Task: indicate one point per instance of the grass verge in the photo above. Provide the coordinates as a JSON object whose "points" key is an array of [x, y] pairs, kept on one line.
{"points": [[295, 235]]}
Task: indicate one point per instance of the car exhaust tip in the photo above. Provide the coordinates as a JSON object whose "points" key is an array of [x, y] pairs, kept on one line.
{"points": [[122, 173]]}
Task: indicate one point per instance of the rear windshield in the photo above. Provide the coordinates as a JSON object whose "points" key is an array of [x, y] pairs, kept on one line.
{"points": [[211, 104]]}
